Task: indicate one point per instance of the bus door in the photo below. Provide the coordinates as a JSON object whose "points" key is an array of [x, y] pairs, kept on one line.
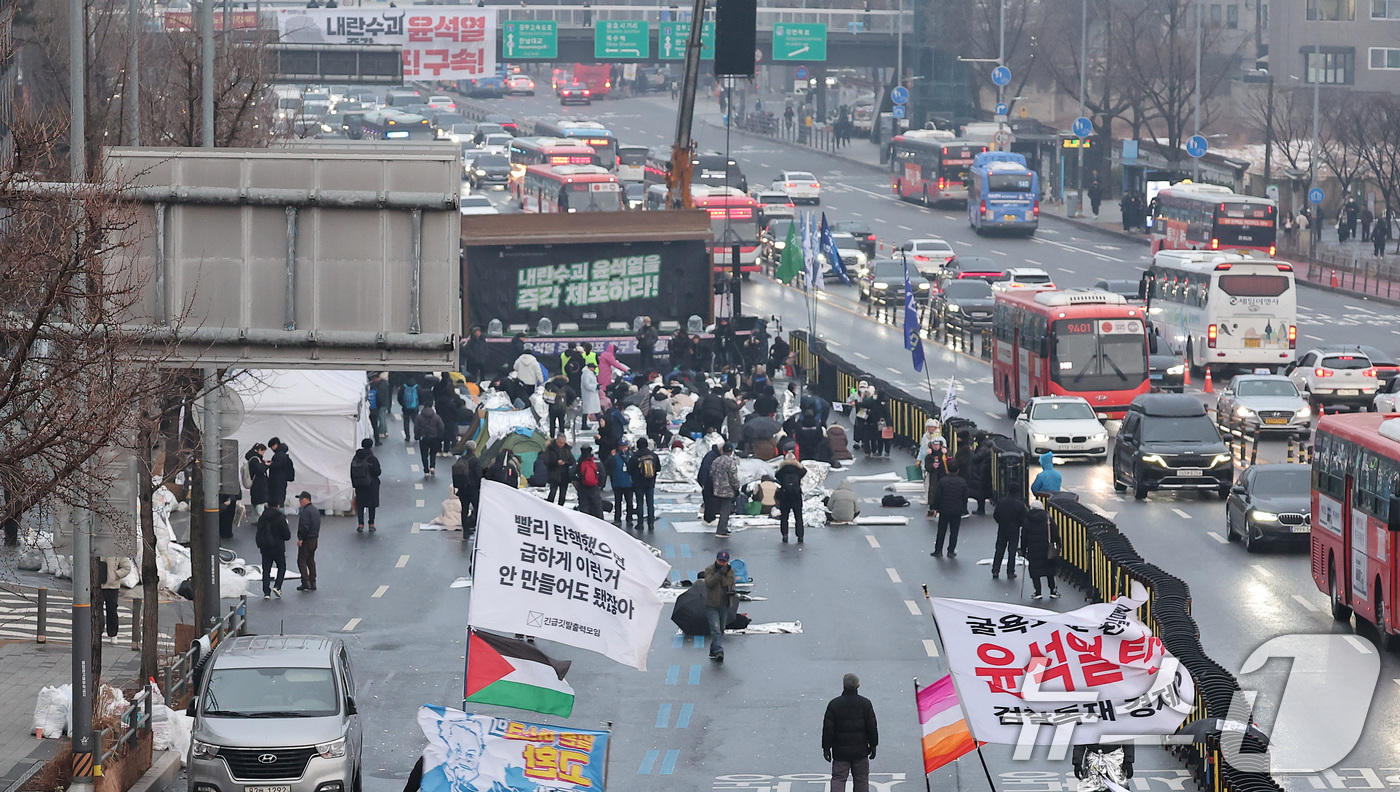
{"points": [[1021, 372], [1351, 581]]}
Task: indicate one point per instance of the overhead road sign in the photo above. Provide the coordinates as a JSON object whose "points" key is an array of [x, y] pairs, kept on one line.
{"points": [[523, 40], [804, 42], [623, 39], [672, 37]]}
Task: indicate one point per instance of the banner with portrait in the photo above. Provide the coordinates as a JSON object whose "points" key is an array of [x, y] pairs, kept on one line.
{"points": [[481, 753]]}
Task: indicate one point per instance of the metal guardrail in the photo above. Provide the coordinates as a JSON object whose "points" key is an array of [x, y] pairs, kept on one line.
{"points": [[135, 720], [180, 674]]}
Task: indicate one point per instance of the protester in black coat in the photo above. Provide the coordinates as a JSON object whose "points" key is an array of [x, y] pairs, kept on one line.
{"points": [[364, 477], [1009, 514], [271, 538], [702, 477], [474, 356], [558, 459], [789, 476], [979, 472], [280, 471], [467, 473], [778, 354], [950, 497], [1039, 537], [850, 735], [257, 477]]}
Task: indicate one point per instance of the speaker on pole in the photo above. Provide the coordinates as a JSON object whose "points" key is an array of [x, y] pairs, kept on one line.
{"points": [[736, 31]]}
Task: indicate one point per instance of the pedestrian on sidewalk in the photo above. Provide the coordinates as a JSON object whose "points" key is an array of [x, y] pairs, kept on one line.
{"points": [[409, 402], [979, 472], [950, 494], [643, 467], [271, 539], [112, 571], [589, 483], [308, 537], [724, 483], [1095, 194], [849, 737], [623, 487], [1010, 513], [1380, 234], [721, 599], [254, 478], [429, 427], [381, 392], [467, 473], [789, 474], [559, 463], [1040, 545], [364, 477], [280, 471]]}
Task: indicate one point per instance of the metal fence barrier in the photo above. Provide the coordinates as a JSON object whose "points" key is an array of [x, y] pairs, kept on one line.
{"points": [[833, 378], [179, 676]]}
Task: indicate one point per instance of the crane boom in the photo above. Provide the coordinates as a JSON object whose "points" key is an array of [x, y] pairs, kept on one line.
{"points": [[683, 150]]}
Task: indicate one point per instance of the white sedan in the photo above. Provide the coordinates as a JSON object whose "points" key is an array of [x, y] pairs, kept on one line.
{"points": [[799, 186], [1388, 400], [1064, 425], [477, 205]]}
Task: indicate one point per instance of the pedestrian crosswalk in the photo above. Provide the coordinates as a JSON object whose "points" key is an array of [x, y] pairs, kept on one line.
{"points": [[19, 615]]}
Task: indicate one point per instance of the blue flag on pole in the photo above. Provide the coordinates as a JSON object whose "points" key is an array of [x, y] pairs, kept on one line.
{"points": [[833, 254], [912, 340]]}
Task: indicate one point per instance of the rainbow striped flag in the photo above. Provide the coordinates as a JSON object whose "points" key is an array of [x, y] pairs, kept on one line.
{"points": [[946, 735]]}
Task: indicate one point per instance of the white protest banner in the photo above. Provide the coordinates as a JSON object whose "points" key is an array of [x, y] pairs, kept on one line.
{"points": [[554, 573], [438, 44], [1094, 673], [479, 753]]}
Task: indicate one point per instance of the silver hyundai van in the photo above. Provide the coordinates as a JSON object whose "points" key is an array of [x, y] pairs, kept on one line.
{"points": [[276, 713]]}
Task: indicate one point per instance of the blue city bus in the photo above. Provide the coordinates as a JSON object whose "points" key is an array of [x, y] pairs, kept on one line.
{"points": [[1003, 194]]}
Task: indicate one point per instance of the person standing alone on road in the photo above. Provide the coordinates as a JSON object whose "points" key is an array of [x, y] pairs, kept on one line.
{"points": [[308, 537], [724, 483], [849, 737], [1009, 513], [379, 393], [1048, 480], [622, 485], [1040, 544], [408, 402], [467, 473], [272, 537], [429, 428], [1095, 194], [720, 601], [789, 474], [559, 465], [280, 471], [643, 467], [364, 477], [950, 493]]}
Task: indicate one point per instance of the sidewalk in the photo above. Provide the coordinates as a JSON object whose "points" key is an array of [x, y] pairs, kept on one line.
{"points": [[30, 666]]}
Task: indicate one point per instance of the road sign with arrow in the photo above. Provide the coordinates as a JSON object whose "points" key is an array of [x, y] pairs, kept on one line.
{"points": [[806, 42], [672, 38], [521, 40], [622, 39]]}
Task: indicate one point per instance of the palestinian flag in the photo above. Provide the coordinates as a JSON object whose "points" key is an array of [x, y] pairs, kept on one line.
{"points": [[510, 673]]}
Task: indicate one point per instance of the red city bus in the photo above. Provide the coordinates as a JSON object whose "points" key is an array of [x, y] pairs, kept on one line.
{"points": [[527, 151], [598, 78], [930, 165], [734, 220], [1356, 518], [570, 188], [1210, 217], [1074, 342]]}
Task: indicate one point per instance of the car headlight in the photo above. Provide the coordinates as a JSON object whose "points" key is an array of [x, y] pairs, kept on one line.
{"points": [[203, 750], [881, 285], [1303, 412], [954, 309], [1243, 412], [780, 244], [1263, 516], [860, 257], [1154, 459], [1219, 459], [1102, 437], [480, 172], [331, 750], [923, 287], [1040, 438], [1176, 369]]}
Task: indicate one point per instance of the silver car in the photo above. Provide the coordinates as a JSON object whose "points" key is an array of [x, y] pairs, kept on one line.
{"points": [[1264, 403], [276, 714]]}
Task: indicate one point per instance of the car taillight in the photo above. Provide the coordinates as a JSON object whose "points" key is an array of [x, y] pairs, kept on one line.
{"points": [[1272, 249], [607, 84], [1292, 337], [942, 183], [585, 92], [1322, 372], [1211, 336], [789, 184], [1215, 244], [1370, 372]]}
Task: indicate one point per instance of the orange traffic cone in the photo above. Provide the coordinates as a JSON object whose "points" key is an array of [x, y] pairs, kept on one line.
{"points": [[1335, 281], [1186, 375], [1210, 386]]}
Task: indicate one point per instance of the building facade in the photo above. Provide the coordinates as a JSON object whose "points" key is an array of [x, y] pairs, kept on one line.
{"points": [[1352, 44]]}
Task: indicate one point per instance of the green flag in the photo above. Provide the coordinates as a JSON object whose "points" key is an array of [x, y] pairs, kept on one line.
{"points": [[791, 263]]}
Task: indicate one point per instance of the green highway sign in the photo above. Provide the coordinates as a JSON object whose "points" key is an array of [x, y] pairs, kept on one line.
{"points": [[672, 38], [799, 42], [529, 40], [621, 39]]}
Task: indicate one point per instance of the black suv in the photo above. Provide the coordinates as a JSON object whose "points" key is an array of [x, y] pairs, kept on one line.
{"points": [[1168, 441]]}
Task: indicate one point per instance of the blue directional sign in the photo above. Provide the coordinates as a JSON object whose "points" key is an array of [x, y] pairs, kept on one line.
{"points": [[801, 73], [897, 111], [1083, 127], [1197, 146], [1001, 75], [1002, 109], [1315, 195], [899, 95]]}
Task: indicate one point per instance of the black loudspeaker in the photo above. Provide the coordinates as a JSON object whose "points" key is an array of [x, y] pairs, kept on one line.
{"points": [[736, 32]]}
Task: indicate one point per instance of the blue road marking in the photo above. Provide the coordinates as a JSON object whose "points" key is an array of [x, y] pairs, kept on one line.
{"points": [[694, 675], [678, 641], [668, 765], [698, 642], [669, 551], [690, 575], [675, 576], [663, 716], [683, 719], [648, 762], [685, 551], [673, 674]]}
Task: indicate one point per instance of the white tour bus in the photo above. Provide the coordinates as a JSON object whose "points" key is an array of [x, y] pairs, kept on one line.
{"points": [[1224, 310]]}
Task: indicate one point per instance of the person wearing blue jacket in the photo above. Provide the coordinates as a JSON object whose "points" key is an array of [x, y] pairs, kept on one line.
{"points": [[1049, 479], [622, 482]]}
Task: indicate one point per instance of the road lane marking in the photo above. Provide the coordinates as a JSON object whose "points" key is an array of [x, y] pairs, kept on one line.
{"points": [[894, 574], [379, 592], [1107, 515], [893, 370], [420, 503], [663, 715], [1261, 570], [1311, 337], [416, 528], [418, 486], [683, 719], [350, 625], [931, 647], [872, 540], [905, 228], [913, 608], [673, 674], [1301, 600], [861, 355], [999, 252], [1183, 515], [648, 761], [415, 468], [1217, 537], [668, 764], [694, 675], [403, 562], [1033, 261], [881, 220], [990, 414], [1358, 644]]}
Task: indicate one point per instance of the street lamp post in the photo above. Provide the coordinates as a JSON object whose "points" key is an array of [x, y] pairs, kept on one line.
{"points": [[1083, 89], [1196, 114], [1315, 227]]}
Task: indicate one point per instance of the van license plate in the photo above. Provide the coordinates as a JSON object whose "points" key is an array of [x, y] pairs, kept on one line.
{"points": [[1348, 392], [267, 789], [1251, 343], [1189, 472], [1009, 218]]}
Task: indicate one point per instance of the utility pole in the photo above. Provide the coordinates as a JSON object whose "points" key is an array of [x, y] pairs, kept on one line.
{"points": [[206, 72], [133, 75], [1083, 90], [82, 530], [1315, 226], [1196, 115], [207, 590], [1001, 49], [1269, 136]]}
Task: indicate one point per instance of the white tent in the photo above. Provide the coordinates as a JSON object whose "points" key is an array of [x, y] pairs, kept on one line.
{"points": [[320, 415]]}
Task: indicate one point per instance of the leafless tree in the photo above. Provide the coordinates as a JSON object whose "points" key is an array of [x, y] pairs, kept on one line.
{"points": [[1369, 127], [1291, 124]]}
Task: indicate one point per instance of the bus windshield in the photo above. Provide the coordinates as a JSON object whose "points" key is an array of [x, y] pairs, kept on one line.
{"points": [[632, 156], [1009, 182], [1084, 360], [594, 197]]}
